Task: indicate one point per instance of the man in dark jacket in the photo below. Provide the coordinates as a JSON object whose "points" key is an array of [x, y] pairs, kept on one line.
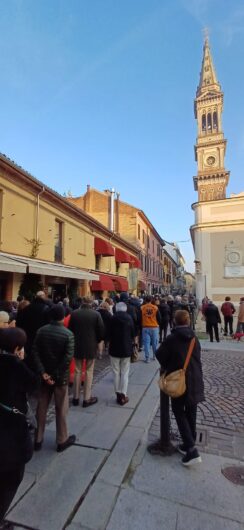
{"points": [[164, 311], [32, 317], [228, 310], [212, 320], [88, 329], [52, 352], [122, 334], [171, 355]]}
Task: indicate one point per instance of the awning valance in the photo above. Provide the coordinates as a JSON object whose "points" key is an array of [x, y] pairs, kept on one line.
{"points": [[102, 247], [121, 256], [11, 264], [105, 283], [22, 264], [141, 285], [135, 262], [120, 284]]}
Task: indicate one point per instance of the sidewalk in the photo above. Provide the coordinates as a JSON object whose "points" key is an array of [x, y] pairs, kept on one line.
{"points": [[108, 480]]}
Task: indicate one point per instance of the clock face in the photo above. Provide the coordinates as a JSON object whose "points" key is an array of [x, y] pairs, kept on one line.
{"points": [[210, 160], [233, 257]]}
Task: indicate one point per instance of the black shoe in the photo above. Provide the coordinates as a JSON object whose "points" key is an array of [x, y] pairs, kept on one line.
{"points": [[182, 449], [5, 525], [37, 447], [118, 398], [75, 402], [90, 402], [65, 445], [192, 457]]}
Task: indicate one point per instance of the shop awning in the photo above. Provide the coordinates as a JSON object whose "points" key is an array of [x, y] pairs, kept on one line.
{"points": [[120, 284], [121, 256], [105, 283], [102, 247], [11, 264], [57, 269], [141, 285], [22, 264], [135, 262]]}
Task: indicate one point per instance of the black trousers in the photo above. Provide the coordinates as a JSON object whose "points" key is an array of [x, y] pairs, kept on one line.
{"points": [[9, 483], [210, 328], [228, 321], [163, 328], [186, 417]]}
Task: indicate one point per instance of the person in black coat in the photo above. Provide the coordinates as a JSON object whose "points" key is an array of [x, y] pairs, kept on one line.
{"points": [[171, 355], [15, 442], [88, 329], [120, 350], [213, 318], [164, 311], [32, 317], [104, 311]]}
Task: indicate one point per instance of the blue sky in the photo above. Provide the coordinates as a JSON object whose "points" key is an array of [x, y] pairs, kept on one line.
{"points": [[101, 92]]}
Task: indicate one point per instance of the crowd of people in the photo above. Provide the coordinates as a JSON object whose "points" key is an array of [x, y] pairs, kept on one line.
{"points": [[212, 316], [38, 341]]}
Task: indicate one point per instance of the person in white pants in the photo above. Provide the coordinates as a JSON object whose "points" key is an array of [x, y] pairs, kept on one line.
{"points": [[120, 350]]}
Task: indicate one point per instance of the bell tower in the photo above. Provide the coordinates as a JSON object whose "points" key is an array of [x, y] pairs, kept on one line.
{"points": [[212, 178]]}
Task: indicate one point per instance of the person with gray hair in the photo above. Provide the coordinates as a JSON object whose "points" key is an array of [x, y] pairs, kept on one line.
{"points": [[122, 335]]}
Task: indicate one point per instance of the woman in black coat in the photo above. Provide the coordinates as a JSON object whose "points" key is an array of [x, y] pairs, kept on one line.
{"points": [[171, 356], [120, 350], [15, 442], [106, 315]]}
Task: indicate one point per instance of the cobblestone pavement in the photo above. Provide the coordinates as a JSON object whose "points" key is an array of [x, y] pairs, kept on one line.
{"points": [[220, 419]]}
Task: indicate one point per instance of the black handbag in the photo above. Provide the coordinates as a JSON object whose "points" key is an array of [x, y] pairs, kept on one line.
{"points": [[16, 444]]}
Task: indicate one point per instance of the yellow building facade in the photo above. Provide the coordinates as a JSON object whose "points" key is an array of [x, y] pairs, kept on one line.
{"points": [[42, 233]]}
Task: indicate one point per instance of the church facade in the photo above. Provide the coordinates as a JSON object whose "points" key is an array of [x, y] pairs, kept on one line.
{"points": [[218, 230]]}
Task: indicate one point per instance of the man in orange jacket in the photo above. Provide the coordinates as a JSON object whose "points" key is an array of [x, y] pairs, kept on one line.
{"points": [[150, 320]]}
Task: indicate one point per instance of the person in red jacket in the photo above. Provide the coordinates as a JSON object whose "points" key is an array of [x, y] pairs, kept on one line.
{"points": [[228, 310]]}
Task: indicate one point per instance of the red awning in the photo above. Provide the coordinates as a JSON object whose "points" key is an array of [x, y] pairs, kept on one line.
{"points": [[141, 285], [135, 262], [120, 284], [102, 247], [121, 256], [104, 283]]}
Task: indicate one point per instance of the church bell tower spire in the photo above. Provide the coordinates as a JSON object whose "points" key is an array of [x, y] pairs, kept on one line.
{"points": [[212, 178]]}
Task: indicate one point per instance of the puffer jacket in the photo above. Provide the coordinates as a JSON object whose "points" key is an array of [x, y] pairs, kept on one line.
{"points": [[52, 352]]}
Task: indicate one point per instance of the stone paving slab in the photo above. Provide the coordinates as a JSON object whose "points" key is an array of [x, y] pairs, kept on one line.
{"points": [[139, 511], [96, 509], [116, 466], [144, 411], [104, 432], [51, 501], [77, 419], [27, 482], [142, 371], [207, 488], [198, 520]]}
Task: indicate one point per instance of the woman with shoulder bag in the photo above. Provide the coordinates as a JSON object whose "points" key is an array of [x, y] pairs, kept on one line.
{"points": [[16, 379], [172, 355]]}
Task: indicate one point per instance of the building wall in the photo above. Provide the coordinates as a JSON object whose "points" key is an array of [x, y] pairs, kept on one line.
{"points": [[217, 234]]}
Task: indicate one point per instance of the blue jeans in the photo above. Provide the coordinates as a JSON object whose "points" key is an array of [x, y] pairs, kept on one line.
{"points": [[150, 337]]}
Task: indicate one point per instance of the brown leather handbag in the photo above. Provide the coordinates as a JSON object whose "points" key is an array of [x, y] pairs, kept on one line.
{"points": [[174, 384]]}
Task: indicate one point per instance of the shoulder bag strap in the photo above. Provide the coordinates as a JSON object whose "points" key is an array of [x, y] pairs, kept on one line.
{"points": [[190, 350]]}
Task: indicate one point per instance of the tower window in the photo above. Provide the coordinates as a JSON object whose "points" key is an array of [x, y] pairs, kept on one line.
{"points": [[209, 122], [215, 121], [204, 122]]}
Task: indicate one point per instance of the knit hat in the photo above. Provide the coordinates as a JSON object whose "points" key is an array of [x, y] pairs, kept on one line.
{"points": [[57, 312], [124, 297]]}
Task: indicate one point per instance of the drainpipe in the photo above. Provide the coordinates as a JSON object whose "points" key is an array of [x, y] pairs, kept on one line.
{"points": [[37, 212], [112, 192], [117, 213]]}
